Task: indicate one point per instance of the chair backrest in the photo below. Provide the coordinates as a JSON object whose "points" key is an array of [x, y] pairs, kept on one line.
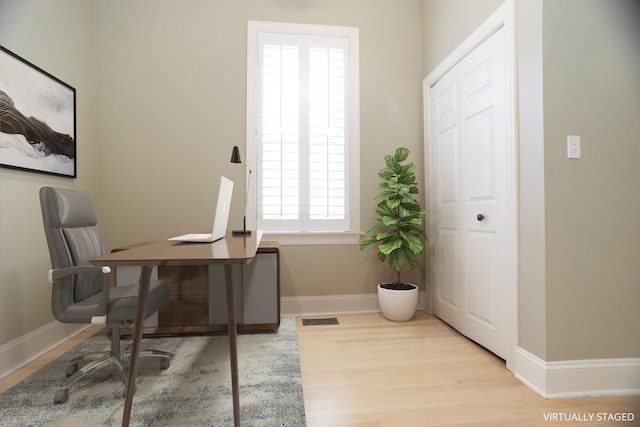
{"points": [[71, 229]]}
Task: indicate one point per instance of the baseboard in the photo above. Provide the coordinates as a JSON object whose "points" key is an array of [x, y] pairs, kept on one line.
{"points": [[578, 378], [24, 349], [336, 304]]}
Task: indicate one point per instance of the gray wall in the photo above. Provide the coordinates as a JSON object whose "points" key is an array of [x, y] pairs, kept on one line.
{"points": [[446, 23], [532, 311], [592, 88], [59, 38], [578, 69]]}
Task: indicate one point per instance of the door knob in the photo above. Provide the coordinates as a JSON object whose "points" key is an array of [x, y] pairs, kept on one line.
{"points": [[480, 217]]}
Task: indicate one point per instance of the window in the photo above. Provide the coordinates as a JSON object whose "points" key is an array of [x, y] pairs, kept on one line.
{"points": [[303, 127]]}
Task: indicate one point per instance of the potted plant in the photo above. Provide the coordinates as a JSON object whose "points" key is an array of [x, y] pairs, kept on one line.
{"points": [[398, 233]]}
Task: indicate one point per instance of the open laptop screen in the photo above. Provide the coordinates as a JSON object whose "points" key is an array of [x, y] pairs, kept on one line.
{"points": [[220, 219]]}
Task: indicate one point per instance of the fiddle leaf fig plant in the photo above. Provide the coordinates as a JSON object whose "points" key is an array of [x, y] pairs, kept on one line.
{"points": [[398, 230]]}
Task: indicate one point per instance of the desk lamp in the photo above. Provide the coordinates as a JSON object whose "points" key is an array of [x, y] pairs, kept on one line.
{"points": [[236, 157]]}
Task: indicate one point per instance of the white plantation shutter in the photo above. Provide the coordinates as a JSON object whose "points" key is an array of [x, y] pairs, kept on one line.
{"points": [[302, 147], [327, 139], [278, 131]]}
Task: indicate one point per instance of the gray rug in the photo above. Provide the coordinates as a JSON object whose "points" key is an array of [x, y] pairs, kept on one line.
{"points": [[194, 391]]}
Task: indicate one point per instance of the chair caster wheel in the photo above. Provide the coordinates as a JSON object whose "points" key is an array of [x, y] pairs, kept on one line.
{"points": [[61, 396], [71, 369], [165, 363]]}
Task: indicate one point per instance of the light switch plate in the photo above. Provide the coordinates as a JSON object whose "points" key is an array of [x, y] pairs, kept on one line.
{"points": [[573, 147]]}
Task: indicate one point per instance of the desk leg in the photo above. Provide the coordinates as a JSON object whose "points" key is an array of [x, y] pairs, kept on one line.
{"points": [[143, 292], [233, 342]]}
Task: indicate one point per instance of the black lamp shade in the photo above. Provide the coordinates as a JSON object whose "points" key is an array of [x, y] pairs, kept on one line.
{"points": [[235, 155]]}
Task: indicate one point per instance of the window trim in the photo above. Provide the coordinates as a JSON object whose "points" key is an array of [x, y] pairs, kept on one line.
{"points": [[352, 34]]}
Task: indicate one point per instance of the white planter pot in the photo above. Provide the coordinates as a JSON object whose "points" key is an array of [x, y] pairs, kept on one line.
{"points": [[398, 305]]}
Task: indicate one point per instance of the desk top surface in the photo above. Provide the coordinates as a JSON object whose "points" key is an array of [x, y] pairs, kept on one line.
{"points": [[230, 250]]}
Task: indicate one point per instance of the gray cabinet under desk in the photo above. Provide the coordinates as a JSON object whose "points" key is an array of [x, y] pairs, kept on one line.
{"points": [[197, 302]]}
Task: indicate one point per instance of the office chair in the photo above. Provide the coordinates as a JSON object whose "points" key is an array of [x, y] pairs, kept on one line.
{"points": [[82, 293]]}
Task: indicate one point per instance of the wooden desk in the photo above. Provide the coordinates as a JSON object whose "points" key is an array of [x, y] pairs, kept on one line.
{"points": [[228, 251], [197, 300]]}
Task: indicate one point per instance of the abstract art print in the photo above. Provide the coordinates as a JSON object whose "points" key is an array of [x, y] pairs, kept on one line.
{"points": [[37, 118]]}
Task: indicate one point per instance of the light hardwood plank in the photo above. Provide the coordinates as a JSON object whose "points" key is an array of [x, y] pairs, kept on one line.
{"points": [[370, 372]]}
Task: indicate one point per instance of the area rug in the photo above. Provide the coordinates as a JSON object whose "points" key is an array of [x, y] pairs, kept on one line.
{"points": [[194, 391]]}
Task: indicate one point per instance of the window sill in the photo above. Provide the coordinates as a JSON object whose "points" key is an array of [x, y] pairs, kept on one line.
{"points": [[313, 238]]}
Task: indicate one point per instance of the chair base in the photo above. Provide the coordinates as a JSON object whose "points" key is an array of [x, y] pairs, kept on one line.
{"points": [[98, 360]]}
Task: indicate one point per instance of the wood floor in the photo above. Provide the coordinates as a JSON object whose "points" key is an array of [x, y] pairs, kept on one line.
{"points": [[369, 372]]}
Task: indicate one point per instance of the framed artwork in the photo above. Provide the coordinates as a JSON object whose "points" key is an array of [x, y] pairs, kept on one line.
{"points": [[37, 118]]}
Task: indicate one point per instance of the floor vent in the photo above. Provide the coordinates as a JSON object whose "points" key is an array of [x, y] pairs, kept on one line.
{"points": [[323, 321]]}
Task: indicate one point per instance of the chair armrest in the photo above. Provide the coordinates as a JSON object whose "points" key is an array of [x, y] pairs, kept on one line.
{"points": [[100, 317], [60, 273]]}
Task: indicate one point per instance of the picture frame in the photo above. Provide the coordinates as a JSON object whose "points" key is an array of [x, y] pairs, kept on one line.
{"points": [[37, 119]]}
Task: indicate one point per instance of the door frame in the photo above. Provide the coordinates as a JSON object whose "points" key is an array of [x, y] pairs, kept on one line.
{"points": [[503, 17]]}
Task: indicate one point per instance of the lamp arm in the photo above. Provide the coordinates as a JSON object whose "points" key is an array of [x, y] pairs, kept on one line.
{"points": [[246, 163], [246, 194]]}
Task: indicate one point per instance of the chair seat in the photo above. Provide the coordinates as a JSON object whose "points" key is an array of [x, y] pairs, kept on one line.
{"points": [[124, 299], [123, 302]]}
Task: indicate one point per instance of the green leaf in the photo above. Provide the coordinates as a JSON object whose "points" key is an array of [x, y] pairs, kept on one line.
{"points": [[394, 166], [416, 221], [389, 220], [394, 203], [391, 162], [411, 210], [410, 205], [367, 242], [401, 154], [407, 180], [384, 186], [385, 174], [374, 228], [382, 236], [412, 242], [395, 260], [416, 229], [410, 169], [383, 211], [402, 188], [410, 257], [390, 246]]}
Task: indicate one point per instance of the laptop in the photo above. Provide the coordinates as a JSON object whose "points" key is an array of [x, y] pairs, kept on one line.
{"points": [[220, 219]]}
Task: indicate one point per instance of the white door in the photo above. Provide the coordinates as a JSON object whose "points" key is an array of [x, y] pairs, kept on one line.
{"points": [[469, 217]]}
